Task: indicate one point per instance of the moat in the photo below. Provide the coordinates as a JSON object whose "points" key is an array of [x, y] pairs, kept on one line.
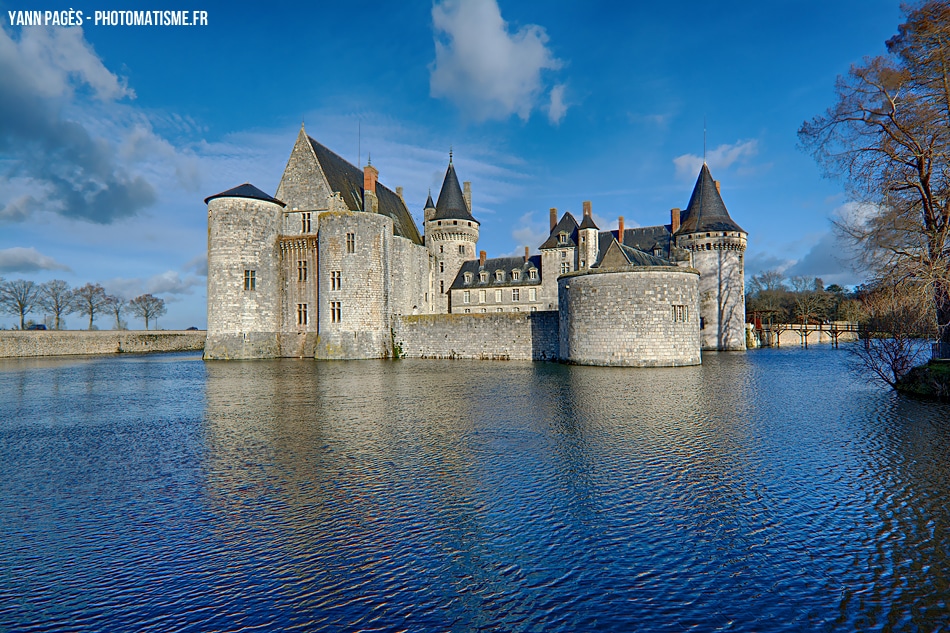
{"points": [[762, 491]]}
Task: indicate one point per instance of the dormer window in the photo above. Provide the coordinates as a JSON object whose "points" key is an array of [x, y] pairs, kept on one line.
{"points": [[516, 275], [468, 278], [562, 238], [533, 273], [499, 275], [483, 277]]}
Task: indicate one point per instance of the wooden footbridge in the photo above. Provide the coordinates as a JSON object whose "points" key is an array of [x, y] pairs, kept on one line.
{"points": [[770, 334]]}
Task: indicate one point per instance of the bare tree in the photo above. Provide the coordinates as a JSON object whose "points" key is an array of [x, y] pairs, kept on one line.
{"points": [[147, 307], [888, 137], [19, 297], [90, 300], [58, 299], [114, 305]]}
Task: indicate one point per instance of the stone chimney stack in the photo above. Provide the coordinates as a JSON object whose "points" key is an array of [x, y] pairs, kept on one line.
{"points": [[467, 193], [481, 258], [586, 208], [527, 253], [553, 218], [370, 176], [399, 193], [717, 187], [620, 231], [674, 220]]}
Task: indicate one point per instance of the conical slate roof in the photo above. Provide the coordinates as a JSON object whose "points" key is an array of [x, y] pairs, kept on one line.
{"points": [[247, 190], [451, 204], [587, 223], [706, 211], [429, 203]]}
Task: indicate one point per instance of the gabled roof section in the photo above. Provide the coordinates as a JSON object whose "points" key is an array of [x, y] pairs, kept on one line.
{"points": [[504, 264], [347, 179], [247, 190], [706, 211], [617, 255], [567, 224], [451, 204]]}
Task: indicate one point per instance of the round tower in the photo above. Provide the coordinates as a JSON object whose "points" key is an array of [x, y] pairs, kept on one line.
{"points": [[717, 248], [451, 235], [243, 274]]}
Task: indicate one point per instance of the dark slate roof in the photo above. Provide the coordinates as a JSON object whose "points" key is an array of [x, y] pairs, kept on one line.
{"points": [[247, 190], [646, 238], [633, 256], [706, 211], [429, 203], [506, 264], [568, 225], [587, 223], [451, 204], [347, 179]]}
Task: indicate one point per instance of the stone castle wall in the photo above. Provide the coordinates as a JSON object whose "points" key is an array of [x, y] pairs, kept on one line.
{"points": [[638, 317], [493, 336], [15, 343], [242, 235], [718, 258], [411, 278]]}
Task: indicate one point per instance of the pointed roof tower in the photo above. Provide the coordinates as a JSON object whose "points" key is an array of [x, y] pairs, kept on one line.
{"points": [[429, 203], [706, 211], [451, 204], [247, 190]]}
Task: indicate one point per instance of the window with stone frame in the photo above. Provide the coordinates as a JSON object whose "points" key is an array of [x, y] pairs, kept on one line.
{"points": [[461, 249], [336, 280], [302, 317], [467, 296], [336, 311], [302, 270], [533, 273], [498, 296], [565, 267], [351, 242], [499, 275], [516, 275], [250, 279], [468, 278], [562, 238], [516, 294], [483, 277], [442, 287], [468, 311], [441, 267], [679, 313], [482, 296], [305, 222], [532, 294]]}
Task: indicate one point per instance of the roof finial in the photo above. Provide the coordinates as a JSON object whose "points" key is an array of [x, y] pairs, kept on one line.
{"points": [[369, 158], [301, 123], [704, 139], [450, 154]]}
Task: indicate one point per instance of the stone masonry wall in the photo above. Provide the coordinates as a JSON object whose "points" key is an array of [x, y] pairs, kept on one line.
{"points": [[629, 317], [719, 258], [497, 336], [73, 342], [411, 278]]}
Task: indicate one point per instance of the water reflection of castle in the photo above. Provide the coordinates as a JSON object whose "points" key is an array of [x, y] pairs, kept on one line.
{"points": [[334, 266]]}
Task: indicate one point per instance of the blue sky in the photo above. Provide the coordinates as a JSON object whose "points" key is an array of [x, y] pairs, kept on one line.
{"points": [[111, 136]]}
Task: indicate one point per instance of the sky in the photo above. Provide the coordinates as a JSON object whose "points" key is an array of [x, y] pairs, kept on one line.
{"points": [[111, 136]]}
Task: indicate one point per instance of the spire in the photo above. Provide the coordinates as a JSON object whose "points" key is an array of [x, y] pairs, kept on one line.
{"points": [[451, 204], [706, 211], [450, 154], [429, 203]]}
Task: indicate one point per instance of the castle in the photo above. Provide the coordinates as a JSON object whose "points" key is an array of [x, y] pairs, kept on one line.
{"points": [[334, 267]]}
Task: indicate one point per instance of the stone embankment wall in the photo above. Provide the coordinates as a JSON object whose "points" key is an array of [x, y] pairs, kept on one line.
{"points": [[497, 336], [15, 343]]}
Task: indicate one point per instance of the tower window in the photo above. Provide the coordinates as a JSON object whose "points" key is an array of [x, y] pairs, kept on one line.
{"points": [[250, 280], [679, 313], [565, 267], [442, 248], [336, 280], [461, 249], [302, 318], [441, 286], [305, 222], [441, 267], [336, 312], [302, 270], [351, 242]]}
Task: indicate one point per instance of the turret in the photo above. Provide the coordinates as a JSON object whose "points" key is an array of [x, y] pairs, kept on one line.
{"points": [[451, 234], [588, 248], [717, 246]]}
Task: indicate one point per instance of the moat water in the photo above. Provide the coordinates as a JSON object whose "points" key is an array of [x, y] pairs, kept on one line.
{"points": [[766, 491]]}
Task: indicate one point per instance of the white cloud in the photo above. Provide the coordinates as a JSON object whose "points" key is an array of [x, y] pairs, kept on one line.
{"points": [[488, 72], [27, 260], [558, 107], [722, 157], [167, 283], [529, 231]]}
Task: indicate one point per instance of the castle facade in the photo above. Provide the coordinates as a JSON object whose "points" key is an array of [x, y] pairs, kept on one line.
{"points": [[333, 267]]}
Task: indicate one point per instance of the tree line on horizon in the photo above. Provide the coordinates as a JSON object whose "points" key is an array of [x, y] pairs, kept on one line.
{"points": [[20, 297]]}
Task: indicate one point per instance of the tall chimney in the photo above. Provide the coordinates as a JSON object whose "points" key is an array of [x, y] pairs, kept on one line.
{"points": [[586, 208], [553, 218], [481, 258], [399, 192], [467, 193], [527, 253], [370, 176], [674, 220], [717, 186], [620, 231]]}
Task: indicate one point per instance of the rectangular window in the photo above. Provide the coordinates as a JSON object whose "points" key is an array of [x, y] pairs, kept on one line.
{"points": [[461, 249], [336, 281], [565, 267], [442, 286], [336, 312], [533, 273], [532, 294], [250, 280], [467, 296], [305, 222], [516, 294], [441, 267], [679, 314], [499, 310], [498, 296], [302, 318], [351, 242], [302, 270], [468, 311], [481, 296], [516, 275]]}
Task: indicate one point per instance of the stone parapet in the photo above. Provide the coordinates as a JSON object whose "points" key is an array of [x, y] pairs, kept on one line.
{"points": [[498, 336], [16, 343]]}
